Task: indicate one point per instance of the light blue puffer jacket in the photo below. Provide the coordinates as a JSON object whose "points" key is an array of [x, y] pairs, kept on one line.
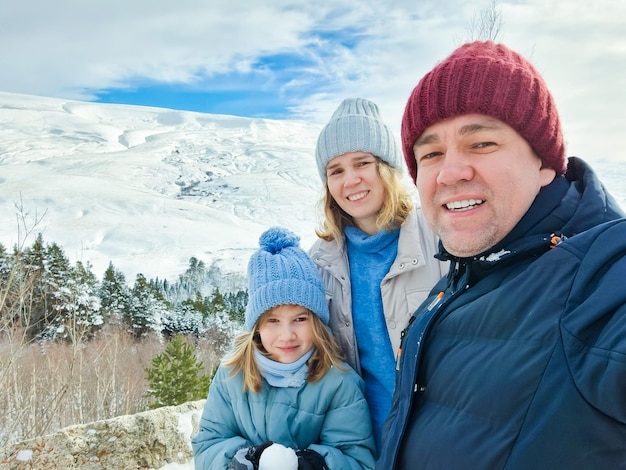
{"points": [[330, 417]]}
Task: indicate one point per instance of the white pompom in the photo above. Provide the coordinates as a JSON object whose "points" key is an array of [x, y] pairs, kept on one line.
{"points": [[278, 457]]}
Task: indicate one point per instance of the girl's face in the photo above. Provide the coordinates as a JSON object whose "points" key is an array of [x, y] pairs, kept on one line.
{"points": [[355, 184], [286, 333]]}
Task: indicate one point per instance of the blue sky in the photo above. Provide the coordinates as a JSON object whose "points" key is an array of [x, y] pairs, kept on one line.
{"points": [[261, 91], [212, 97], [296, 59]]}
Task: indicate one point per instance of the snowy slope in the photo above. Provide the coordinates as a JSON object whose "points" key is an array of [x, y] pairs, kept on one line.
{"points": [[148, 188]]}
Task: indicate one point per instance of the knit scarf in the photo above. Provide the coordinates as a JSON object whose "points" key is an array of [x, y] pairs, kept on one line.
{"points": [[279, 374]]}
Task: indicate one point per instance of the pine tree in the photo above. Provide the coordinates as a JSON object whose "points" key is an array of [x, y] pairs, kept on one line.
{"points": [[13, 289], [147, 308], [216, 303], [85, 317], [57, 281], [114, 296], [35, 311], [190, 282], [186, 317], [218, 326], [236, 304], [175, 377]]}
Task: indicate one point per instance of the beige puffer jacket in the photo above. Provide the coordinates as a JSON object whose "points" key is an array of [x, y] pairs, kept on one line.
{"points": [[408, 282]]}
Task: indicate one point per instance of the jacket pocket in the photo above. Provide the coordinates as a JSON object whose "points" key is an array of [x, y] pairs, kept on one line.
{"points": [[599, 375]]}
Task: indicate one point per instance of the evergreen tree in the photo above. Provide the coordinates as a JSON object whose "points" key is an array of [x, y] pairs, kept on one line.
{"points": [[184, 318], [85, 317], [191, 281], [48, 271], [175, 377], [148, 308], [114, 296], [216, 303], [5, 260], [12, 289], [236, 304], [35, 308], [218, 326], [60, 295]]}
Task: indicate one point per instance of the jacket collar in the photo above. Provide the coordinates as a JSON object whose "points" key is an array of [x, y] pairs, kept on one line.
{"points": [[409, 247]]}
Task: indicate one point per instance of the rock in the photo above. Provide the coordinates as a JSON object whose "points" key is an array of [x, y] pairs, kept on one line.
{"points": [[147, 440]]}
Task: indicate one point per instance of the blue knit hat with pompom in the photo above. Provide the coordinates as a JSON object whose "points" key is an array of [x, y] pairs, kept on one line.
{"points": [[281, 273]]}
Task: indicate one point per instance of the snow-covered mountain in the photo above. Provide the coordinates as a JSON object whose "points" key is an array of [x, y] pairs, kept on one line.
{"points": [[148, 188]]}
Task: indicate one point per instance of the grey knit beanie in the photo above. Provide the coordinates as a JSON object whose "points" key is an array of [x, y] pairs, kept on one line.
{"points": [[356, 125]]}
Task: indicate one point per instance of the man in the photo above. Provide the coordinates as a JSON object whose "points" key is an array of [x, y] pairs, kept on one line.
{"points": [[518, 358]]}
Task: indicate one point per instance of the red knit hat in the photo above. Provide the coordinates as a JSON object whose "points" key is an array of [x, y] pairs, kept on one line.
{"points": [[490, 79]]}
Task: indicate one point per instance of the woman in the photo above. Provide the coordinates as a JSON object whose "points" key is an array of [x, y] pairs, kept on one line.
{"points": [[283, 398], [375, 252]]}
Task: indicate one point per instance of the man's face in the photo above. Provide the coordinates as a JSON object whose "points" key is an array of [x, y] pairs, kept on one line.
{"points": [[476, 178]]}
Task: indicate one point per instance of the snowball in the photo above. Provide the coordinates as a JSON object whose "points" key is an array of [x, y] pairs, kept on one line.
{"points": [[278, 456]]}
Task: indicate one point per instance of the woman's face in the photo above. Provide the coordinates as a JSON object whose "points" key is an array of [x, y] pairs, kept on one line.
{"points": [[286, 333], [355, 184]]}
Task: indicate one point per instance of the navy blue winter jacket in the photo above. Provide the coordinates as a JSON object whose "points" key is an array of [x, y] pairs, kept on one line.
{"points": [[522, 363]]}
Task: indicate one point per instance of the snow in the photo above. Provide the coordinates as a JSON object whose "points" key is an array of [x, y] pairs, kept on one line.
{"points": [[278, 456], [24, 455], [148, 188], [493, 257], [178, 466]]}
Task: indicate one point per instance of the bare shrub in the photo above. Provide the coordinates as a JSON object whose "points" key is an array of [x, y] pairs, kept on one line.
{"points": [[487, 24], [50, 385], [215, 342]]}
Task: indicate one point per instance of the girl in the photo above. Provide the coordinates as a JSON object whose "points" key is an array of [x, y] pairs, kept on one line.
{"points": [[283, 392], [375, 251]]}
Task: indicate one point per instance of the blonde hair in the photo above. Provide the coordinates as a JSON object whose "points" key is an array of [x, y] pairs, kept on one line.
{"points": [[326, 354], [397, 205]]}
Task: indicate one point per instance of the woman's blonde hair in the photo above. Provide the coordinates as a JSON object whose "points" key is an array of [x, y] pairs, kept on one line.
{"points": [[397, 205], [326, 354]]}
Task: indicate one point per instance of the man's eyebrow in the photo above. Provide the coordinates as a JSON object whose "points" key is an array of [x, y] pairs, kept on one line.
{"points": [[487, 124], [426, 139], [479, 126]]}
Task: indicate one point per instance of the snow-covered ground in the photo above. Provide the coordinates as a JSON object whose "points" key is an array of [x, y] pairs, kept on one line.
{"points": [[148, 188]]}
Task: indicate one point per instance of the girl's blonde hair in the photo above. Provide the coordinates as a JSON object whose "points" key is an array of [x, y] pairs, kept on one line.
{"points": [[397, 205], [326, 354]]}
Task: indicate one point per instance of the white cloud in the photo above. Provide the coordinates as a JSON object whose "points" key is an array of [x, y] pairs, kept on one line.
{"points": [[69, 49]]}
